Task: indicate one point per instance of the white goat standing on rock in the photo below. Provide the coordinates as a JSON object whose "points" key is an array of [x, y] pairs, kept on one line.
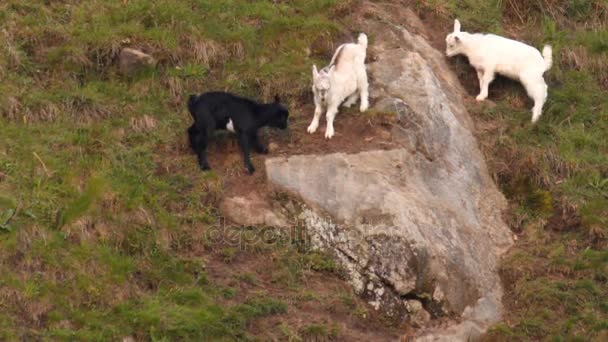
{"points": [[490, 54], [343, 79]]}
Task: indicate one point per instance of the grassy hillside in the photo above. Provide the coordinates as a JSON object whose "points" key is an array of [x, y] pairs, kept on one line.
{"points": [[102, 214], [555, 173]]}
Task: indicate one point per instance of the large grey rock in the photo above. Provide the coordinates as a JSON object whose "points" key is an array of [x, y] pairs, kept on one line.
{"points": [[421, 221]]}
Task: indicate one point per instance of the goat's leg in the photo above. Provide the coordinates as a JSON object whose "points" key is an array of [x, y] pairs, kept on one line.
{"points": [[363, 86], [315, 121], [199, 141], [480, 76], [484, 84], [351, 100], [192, 134], [537, 90], [330, 116], [244, 144], [480, 79], [257, 145]]}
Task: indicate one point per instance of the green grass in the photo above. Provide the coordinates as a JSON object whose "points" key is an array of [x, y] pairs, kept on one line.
{"points": [[100, 218], [553, 173], [72, 48], [316, 332]]}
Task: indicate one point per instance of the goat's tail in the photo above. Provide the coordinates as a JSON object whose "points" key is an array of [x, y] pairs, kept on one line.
{"points": [[191, 102], [548, 56], [362, 40]]}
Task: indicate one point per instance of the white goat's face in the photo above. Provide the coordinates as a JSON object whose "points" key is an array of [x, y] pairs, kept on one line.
{"points": [[321, 84], [453, 45], [453, 41]]}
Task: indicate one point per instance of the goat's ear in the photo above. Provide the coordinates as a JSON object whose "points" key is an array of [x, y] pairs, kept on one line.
{"points": [[277, 99], [457, 39], [331, 69], [315, 72], [456, 25]]}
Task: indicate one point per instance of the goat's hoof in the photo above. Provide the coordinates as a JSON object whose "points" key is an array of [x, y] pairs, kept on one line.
{"points": [[205, 168], [250, 169], [480, 98], [363, 107], [311, 129], [329, 134]]}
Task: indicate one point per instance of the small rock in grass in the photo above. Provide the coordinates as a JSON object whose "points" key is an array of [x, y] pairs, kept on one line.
{"points": [[132, 60], [252, 210]]}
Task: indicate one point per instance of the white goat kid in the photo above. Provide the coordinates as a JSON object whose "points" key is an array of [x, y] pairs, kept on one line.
{"points": [[490, 54], [343, 79]]}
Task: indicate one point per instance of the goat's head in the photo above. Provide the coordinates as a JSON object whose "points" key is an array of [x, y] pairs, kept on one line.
{"points": [[322, 81], [278, 114], [453, 41]]}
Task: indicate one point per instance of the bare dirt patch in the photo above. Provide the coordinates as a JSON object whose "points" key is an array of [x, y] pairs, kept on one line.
{"points": [[355, 132], [321, 300]]}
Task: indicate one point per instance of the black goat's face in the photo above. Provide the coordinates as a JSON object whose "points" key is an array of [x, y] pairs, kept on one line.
{"points": [[280, 118], [279, 114]]}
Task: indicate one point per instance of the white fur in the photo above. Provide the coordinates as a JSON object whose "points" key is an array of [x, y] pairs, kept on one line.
{"points": [[344, 79], [490, 54], [230, 126]]}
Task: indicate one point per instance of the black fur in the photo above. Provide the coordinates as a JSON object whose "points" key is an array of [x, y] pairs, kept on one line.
{"points": [[213, 110]]}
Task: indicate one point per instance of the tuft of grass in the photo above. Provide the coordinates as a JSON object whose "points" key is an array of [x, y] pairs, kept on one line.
{"points": [[82, 203], [321, 262], [318, 332]]}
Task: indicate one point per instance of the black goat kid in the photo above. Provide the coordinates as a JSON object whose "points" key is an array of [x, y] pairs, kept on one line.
{"points": [[221, 110]]}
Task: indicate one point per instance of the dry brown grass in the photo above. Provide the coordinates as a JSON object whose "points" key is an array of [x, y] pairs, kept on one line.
{"points": [[176, 89], [530, 10], [84, 229], [14, 55], [578, 58], [144, 123], [12, 109], [81, 110], [47, 111], [207, 52], [439, 8]]}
